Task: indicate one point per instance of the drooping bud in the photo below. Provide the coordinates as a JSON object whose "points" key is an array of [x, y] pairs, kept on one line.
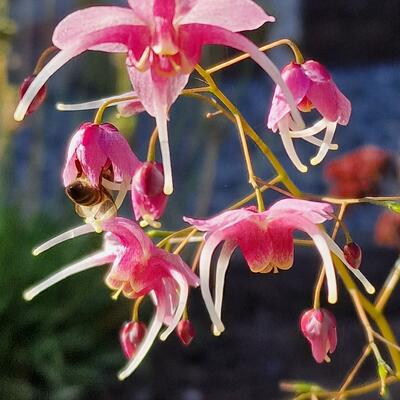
{"points": [[353, 254], [319, 328], [130, 336], [39, 98], [148, 198], [185, 332]]}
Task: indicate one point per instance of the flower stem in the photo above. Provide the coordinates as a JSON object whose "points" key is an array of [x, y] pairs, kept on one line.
{"points": [[151, 153], [99, 115], [250, 170], [135, 313], [44, 58]]}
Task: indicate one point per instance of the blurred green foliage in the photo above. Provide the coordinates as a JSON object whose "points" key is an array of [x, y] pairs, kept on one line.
{"points": [[63, 344]]}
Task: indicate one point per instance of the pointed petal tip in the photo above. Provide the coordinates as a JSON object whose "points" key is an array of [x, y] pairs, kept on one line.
{"points": [[332, 298], [18, 116], [27, 295], [216, 332], [168, 189], [302, 168]]}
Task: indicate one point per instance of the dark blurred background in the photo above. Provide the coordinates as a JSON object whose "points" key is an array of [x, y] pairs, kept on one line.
{"points": [[64, 345]]}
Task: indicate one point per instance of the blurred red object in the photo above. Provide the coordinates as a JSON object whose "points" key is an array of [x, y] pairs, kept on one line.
{"points": [[387, 230], [357, 174]]}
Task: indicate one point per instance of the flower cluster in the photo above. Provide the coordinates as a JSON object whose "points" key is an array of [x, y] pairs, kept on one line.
{"points": [[162, 41]]}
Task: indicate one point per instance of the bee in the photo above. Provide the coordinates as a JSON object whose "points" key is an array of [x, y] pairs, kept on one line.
{"points": [[92, 203]]}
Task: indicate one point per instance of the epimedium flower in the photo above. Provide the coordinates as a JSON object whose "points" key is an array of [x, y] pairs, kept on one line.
{"points": [[98, 158], [138, 268], [266, 242], [148, 198], [312, 87], [163, 40], [319, 328]]}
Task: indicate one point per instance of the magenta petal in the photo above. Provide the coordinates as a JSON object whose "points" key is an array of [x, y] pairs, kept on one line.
{"points": [[324, 99], [344, 108], [316, 71], [233, 15], [89, 20], [117, 149], [298, 83], [164, 9], [143, 9]]}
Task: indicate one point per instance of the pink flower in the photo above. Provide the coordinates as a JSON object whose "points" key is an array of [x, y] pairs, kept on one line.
{"points": [[97, 150], [266, 241], [319, 328], [163, 40], [148, 198], [312, 87], [139, 268]]}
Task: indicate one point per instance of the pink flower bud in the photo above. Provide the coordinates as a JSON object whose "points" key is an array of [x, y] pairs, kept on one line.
{"points": [[353, 254], [39, 98], [319, 328], [185, 332], [130, 336], [148, 198]]}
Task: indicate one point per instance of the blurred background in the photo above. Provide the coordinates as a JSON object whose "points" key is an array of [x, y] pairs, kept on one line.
{"points": [[64, 345]]}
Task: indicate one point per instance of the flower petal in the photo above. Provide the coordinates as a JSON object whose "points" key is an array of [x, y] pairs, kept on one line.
{"points": [[148, 340], [222, 265], [94, 104], [298, 83], [233, 15], [221, 221], [94, 260], [314, 211], [90, 20], [183, 295], [109, 35], [205, 264], [117, 149], [72, 233], [327, 141]]}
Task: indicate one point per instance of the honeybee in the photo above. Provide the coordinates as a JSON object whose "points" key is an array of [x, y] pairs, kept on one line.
{"points": [[91, 203]]}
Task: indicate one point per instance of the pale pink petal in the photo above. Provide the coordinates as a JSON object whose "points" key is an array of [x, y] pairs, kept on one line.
{"points": [[129, 234], [316, 212], [130, 108], [172, 261], [143, 10], [208, 34], [154, 91], [149, 339], [222, 265], [221, 221], [182, 7], [117, 149], [205, 264], [298, 83], [94, 260], [234, 15], [93, 19], [109, 35]]}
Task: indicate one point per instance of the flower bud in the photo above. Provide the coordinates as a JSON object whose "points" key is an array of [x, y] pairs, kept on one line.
{"points": [[130, 336], [319, 328], [39, 98], [148, 198], [185, 332], [353, 254]]}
